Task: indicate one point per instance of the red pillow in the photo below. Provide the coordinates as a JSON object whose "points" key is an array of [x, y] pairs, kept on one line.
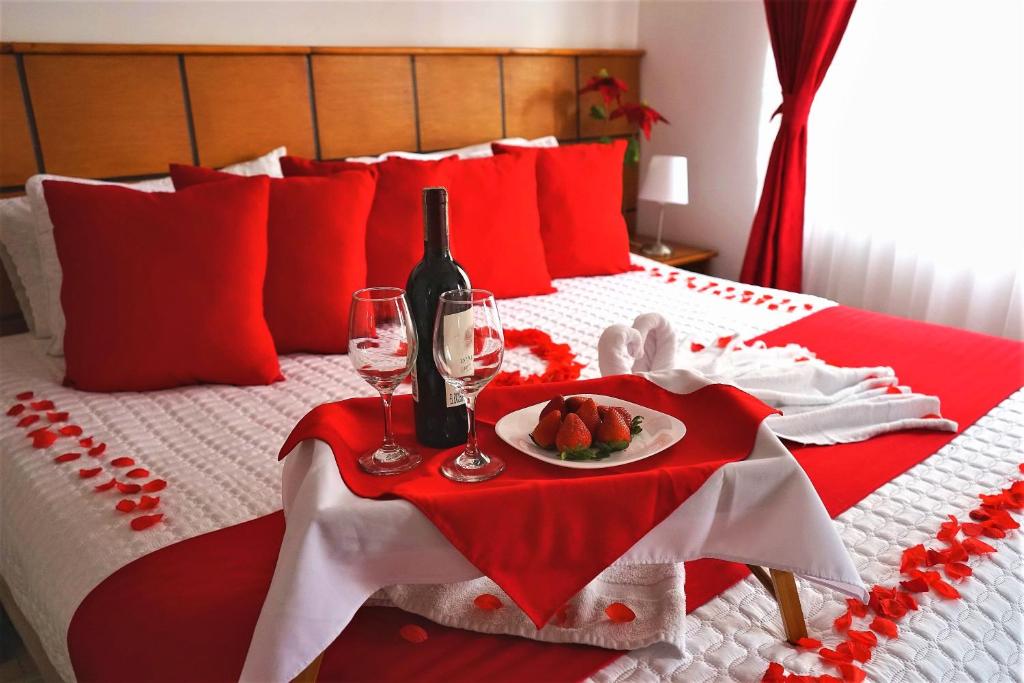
{"points": [[579, 195], [316, 236], [163, 289], [494, 224]]}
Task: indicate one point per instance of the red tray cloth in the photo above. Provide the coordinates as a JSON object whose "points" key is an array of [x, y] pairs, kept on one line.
{"points": [[187, 611], [540, 532]]}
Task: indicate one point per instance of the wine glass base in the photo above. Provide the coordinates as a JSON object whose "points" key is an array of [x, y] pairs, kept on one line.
{"points": [[459, 469], [389, 461]]}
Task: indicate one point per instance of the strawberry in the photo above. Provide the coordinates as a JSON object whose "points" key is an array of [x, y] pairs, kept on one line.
{"points": [[544, 433], [588, 413], [624, 413], [573, 403], [613, 432], [557, 403], [573, 435]]}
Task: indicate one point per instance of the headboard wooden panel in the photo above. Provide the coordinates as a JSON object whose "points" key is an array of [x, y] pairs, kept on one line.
{"points": [[125, 111]]}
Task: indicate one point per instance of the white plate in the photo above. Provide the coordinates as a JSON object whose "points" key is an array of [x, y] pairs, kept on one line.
{"points": [[659, 432]]}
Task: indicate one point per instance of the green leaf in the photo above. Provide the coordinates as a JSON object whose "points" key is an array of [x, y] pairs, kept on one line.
{"points": [[633, 151], [598, 112], [612, 446], [636, 425]]}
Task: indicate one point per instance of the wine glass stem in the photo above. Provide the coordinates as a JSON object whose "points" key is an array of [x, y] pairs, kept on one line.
{"points": [[389, 438], [472, 448]]}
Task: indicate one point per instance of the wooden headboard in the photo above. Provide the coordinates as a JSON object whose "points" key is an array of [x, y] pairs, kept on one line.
{"points": [[125, 111]]}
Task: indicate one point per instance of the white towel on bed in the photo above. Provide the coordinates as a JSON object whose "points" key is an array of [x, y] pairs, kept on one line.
{"points": [[820, 403]]}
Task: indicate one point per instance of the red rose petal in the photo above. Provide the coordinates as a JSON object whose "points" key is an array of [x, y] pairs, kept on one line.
{"points": [[16, 409], [972, 529], [24, 396], [149, 502], [153, 486], [36, 432], [97, 450], [864, 637], [122, 462], [126, 505], [488, 602], [695, 347], [724, 341], [67, 457], [57, 417], [106, 487], [70, 430], [856, 607], [912, 558], [44, 439], [619, 613], [852, 674], [137, 473], [146, 521], [976, 546], [835, 656], [843, 622], [808, 307], [886, 627], [774, 674], [412, 633], [809, 643], [907, 601], [945, 590], [89, 473], [42, 405], [128, 488], [957, 570], [85, 443], [915, 586], [27, 420]]}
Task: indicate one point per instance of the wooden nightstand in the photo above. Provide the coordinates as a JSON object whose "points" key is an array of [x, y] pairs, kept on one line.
{"points": [[682, 256]]}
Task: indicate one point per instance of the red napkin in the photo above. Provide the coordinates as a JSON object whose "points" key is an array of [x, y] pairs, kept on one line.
{"points": [[540, 531]]}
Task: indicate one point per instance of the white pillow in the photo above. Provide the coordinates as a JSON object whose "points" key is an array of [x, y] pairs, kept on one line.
{"points": [[268, 164], [477, 151], [18, 237], [18, 286]]}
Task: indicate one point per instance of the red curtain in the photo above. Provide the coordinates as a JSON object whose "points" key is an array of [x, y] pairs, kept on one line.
{"points": [[805, 35]]}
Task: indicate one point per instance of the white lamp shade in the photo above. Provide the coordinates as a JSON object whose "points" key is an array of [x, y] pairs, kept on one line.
{"points": [[666, 180]]}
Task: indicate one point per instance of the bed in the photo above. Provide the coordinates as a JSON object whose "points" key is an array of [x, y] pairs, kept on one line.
{"points": [[216, 446]]}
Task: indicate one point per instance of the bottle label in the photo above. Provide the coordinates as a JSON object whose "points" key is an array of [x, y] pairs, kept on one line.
{"points": [[458, 342]]}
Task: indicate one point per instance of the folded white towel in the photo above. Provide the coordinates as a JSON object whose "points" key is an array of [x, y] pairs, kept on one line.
{"points": [[821, 403], [654, 592]]}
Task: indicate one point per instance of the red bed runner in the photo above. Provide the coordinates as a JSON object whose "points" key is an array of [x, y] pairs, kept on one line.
{"points": [[186, 612], [579, 521]]}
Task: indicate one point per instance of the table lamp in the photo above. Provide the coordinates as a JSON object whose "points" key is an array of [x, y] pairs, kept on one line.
{"points": [[665, 184]]}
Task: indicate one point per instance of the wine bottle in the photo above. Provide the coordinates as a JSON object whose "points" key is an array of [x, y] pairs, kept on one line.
{"points": [[440, 410]]}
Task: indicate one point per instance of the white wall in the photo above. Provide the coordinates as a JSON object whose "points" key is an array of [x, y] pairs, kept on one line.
{"points": [[552, 23], [704, 70]]}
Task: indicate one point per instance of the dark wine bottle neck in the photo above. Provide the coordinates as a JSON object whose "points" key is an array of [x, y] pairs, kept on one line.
{"points": [[435, 222]]}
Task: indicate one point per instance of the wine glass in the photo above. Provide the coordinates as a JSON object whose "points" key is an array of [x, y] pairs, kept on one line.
{"points": [[468, 349], [382, 348]]}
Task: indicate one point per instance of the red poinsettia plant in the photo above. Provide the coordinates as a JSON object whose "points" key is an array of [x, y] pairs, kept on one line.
{"points": [[641, 117]]}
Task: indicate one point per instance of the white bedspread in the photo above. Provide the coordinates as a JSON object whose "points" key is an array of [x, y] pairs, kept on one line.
{"points": [[217, 446]]}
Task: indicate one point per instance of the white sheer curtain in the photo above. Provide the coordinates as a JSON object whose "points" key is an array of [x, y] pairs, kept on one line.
{"points": [[915, 156]]}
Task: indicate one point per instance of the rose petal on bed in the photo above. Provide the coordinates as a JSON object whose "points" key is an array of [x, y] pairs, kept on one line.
{"points": [[917, 585], [67, 457], [619, 613], [851, 673], [413, 633], [137, 473], [893, 390], [975, 546], [89, 473], [148, 502], [146, 521], [126, 505], [912, 558], [972, 529], [153, 486], [122, 462], [856, 607], [854, 650], [948, 530], [24, 396], [957, 570], [808, 307], [993, 531], [695, 347], [843, 622], [774, 674], [106, 487], [830, 655], [54, 416], [27, 420], [97, 450], [1001, 519], [16, 409], [893, 609], [36, 432], [946, 590], [42, 405], [128, 488], [724, 341], [488, 602], [906, 600], [44, 439], [864, 637], [86, 442], [809, 643], [70, 430], [885, 627]]}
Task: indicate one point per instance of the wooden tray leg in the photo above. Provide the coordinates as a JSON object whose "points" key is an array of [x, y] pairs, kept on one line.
{"points": [[789, 605], [310, 673]]}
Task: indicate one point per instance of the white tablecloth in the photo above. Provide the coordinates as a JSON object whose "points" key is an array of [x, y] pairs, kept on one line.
{"points": [[339, 549]]}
